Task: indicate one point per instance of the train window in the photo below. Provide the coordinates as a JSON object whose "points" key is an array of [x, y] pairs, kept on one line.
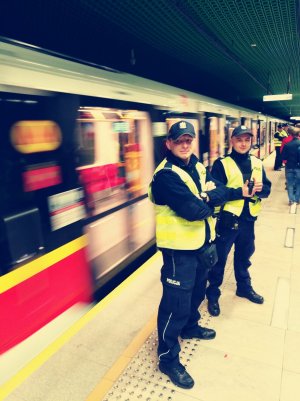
{"points": [[112, 164], [218, 129]]}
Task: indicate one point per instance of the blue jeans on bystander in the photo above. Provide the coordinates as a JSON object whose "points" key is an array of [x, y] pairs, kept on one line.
{"points": [[293, 184]]}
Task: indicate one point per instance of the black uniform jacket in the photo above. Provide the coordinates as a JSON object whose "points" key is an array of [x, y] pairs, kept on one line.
{"points": [[169, 189], [244, 164], [290, 153]]}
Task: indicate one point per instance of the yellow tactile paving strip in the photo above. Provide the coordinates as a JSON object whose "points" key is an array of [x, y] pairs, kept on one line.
{"points": [[123, 361]]}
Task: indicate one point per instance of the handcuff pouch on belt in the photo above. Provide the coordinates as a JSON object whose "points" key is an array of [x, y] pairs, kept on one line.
{"points": [[208, 257], [227, 220]]}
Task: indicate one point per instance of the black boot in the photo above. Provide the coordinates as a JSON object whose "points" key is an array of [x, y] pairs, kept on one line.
{"points": [[199, 332], [178, 375], [251, 295], [213, 307]]}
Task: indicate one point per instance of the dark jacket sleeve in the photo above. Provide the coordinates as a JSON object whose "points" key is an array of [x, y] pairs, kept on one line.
{"points": [[169, 189], [284, 153], [218, 172]]}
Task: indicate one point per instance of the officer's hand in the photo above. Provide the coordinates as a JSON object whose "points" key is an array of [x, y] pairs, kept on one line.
{"points": [[245, 190], [258, 186], [209, 186]]}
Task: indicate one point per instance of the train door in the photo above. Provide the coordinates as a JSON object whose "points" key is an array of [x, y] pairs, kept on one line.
{"points": [[270, 137], [261, 136], [115, 165], [255, 145], [215, 135]]}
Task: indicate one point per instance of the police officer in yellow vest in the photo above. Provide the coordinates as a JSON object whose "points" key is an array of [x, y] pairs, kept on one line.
{"points": [[279, 135], [246, 180], [185, 195]]}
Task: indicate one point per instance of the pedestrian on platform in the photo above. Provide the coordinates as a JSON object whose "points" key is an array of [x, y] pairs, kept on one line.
{"points": [[286, 127], [286, 140], [246, 180], [279, 135], [291, 156], [185, 195]]}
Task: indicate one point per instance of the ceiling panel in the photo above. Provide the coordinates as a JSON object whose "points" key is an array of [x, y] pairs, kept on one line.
{"points": [[236, 50]]}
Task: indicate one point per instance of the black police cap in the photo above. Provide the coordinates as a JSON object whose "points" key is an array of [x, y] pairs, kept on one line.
{"points": [[181, 128], [240, 130]]}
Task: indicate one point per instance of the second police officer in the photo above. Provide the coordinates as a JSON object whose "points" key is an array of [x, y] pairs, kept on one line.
{"points": [[247, 182]]}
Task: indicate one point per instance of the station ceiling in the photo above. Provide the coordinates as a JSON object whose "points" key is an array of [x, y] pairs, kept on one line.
{"points": [[234, 50]]}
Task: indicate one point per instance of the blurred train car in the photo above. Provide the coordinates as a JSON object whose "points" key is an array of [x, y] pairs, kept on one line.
{"points": [[79, 144]]}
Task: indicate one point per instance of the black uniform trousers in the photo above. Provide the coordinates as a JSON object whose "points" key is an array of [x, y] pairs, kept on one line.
{"points": [[243, 239], [278, 158], [184, 282]]}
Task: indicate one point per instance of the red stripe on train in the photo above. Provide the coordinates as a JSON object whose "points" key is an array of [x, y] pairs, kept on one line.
{"points": [[30, 305]]}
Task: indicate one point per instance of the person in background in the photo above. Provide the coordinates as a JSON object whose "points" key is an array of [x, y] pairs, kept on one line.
{"points": [[279, 135], [185, 195], [286, 127], [286, 139], [247, 183], [291, 156]]}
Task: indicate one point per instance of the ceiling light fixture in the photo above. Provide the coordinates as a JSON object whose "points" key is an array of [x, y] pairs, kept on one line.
{"points": [[272, 98], [295, 118], [283, 96]]}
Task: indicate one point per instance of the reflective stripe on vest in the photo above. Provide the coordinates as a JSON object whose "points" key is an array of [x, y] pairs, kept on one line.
{"points": [[174, 232], [235, 180]]}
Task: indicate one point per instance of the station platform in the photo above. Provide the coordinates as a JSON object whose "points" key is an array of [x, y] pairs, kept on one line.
{"points": [[108, 351]]}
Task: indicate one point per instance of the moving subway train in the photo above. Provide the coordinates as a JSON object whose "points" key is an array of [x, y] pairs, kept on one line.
{"points": [[78, 148]]}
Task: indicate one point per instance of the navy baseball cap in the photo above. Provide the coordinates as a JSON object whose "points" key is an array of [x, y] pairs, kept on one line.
{"points": [[240, 130], [279, 125], [285, 125], [181, 128]]}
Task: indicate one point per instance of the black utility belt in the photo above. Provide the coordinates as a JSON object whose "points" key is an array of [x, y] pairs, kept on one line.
{"points": [[227, 220]]}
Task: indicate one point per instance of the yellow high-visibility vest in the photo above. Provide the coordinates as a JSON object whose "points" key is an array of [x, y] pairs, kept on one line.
{"points": [[173, 231], [282, 134], [235, 180]]}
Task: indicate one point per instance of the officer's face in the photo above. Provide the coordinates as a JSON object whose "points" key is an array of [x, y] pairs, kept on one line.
{"points": [[241, 143], [182, 147]]}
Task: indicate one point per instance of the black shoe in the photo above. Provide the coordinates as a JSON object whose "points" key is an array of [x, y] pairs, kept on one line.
{"points": [[178, 375], [199, 332], [213, 308], [251, 295]]}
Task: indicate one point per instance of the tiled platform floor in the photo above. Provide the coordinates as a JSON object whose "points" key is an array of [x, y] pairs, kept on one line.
{"points": [[254, 357]]}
